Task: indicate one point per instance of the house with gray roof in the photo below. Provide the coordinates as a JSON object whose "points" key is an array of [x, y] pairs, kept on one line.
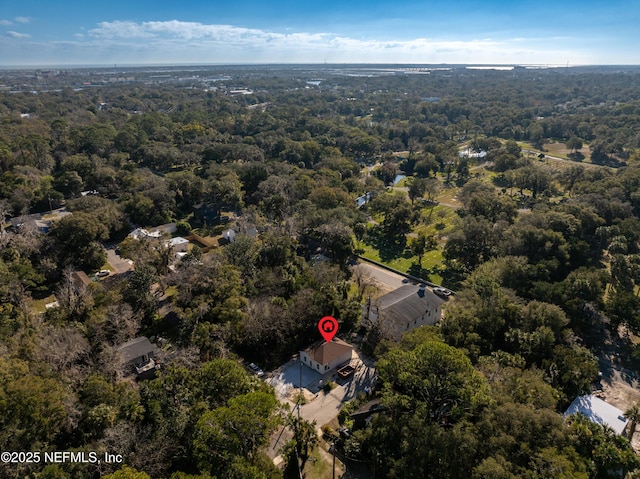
{"points": [[404, 309], [138, 357]]}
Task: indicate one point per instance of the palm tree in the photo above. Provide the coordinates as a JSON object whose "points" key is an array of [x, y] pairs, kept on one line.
{"points": [[633, 415]]}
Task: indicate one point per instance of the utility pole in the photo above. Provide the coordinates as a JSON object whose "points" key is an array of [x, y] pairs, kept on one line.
{"points": [[300, 390], [333, 449]]}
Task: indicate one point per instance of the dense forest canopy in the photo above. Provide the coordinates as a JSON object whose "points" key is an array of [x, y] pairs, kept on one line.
{"points": [[519, 188]]}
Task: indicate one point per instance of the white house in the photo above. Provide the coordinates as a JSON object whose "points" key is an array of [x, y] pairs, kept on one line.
{"points": [[405, 308], [154, 233], [324, 357], [598, 411], [179, 244]]}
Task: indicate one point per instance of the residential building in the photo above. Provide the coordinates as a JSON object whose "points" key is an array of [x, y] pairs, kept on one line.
{"points": [[599, 411], [179, 244], [404, 309], [325, 357], [139, 357]]}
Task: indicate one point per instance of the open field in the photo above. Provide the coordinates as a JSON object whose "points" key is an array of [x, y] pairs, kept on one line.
{"points": [[561, 151]]}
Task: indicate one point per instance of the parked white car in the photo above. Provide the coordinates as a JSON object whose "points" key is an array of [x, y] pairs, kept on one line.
{"points": [[258, 372], [444, 292]]}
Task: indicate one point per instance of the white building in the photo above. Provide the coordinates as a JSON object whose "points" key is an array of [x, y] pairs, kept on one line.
{"points": [[599, 411], [179, 244], [324, 357]]}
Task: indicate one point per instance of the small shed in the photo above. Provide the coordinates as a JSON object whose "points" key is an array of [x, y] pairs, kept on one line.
{"points": [[599, 411]]}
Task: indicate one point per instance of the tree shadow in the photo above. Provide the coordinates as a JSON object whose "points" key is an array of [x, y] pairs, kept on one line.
{"points": [[452, 278], [389, 247], [419, 272]]}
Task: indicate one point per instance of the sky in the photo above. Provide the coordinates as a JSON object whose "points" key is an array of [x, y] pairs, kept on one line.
{"points": [[498, 32]]}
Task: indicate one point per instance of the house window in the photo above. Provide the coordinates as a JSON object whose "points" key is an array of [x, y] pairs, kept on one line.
{"points": [[326, 367], [317, 366], [304, 358]]}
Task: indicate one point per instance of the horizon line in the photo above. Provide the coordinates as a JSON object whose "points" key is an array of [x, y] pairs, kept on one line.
{"points": [[79, 66]]}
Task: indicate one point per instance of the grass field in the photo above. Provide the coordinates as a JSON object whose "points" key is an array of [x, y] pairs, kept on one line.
{"points": [[561, 151], [399, 256], [38, 305], [319, 466]]}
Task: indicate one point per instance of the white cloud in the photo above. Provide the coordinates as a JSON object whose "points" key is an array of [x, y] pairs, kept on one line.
{"points": [[190, 31], [120, 29], [193, 33], [5, 23], [22, 19], [193, 42], [18, 35]]}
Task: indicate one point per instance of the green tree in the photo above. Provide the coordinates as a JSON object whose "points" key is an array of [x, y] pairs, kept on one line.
{"points": [[234, 431], [633, 415], [433, 375], [304, 440], [126, 472], [417, 188], [611, 455], [138, 292], [32, 407], [422, 244], [78, 236]]}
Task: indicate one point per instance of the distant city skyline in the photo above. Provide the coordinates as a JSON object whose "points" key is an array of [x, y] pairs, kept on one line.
{"points": [[590, 32]]}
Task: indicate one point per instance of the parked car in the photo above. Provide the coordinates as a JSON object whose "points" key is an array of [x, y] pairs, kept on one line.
{"points": [[258, 372], [103, 272], [443, 292]]}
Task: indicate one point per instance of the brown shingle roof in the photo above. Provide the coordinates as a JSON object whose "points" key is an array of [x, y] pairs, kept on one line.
{"points": [[323, 352]]}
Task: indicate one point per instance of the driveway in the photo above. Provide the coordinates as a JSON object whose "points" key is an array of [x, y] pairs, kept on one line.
{"points": [[287, 377], [322, 407], [119, 265]]}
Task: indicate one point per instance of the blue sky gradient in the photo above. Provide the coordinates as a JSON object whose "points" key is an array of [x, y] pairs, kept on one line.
{"points": [[38, 32]]}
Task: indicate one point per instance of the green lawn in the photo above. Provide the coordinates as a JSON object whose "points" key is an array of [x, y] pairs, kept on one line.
{"points": [[318, 467], [407, 263], [38, 305], [438, 221]]}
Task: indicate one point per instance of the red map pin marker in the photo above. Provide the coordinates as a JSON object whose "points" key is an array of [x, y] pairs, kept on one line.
{"points": [[328, 327]]}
